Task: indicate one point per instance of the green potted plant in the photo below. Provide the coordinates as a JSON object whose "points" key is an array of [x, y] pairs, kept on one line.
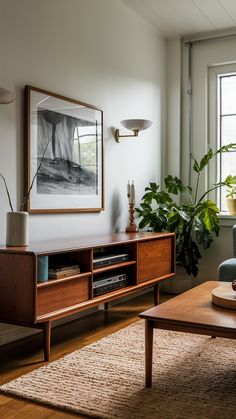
{"points": [[231, 197], [180, 209]]}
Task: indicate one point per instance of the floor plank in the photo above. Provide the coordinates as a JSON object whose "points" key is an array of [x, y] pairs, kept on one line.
{"points": [[25, 355]]}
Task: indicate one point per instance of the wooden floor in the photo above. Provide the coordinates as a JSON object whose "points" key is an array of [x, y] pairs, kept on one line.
{"points": [[23, 356]]}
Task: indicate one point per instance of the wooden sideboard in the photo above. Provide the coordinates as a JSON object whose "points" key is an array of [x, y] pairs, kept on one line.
{"points": [[24, 301]]}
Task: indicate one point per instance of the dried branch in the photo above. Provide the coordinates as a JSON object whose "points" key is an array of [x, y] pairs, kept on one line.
{"points": [[26, 198], [7, 191]]}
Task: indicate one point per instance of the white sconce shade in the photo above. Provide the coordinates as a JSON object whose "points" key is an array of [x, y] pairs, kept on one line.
{"points": [[134, 125], [6, 96]]}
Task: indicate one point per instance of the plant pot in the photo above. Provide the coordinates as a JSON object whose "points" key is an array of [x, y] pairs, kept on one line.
{"points": [[17, 233], [180, 283], [231, 203]]}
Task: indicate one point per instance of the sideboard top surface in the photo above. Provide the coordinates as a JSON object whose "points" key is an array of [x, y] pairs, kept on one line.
{"points": [[80, 243]]}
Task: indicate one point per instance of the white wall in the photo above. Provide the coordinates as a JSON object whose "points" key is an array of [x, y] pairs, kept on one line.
{"points": [[99, 52]]}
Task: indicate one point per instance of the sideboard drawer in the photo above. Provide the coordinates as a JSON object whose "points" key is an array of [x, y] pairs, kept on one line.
{"points": [[62, 295], [154, 259]]}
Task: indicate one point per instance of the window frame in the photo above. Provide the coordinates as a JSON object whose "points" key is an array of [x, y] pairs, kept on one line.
{"points": [[215, 73]]}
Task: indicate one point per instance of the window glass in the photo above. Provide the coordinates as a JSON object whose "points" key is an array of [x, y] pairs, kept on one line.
{"points": [[226, 131], [228, 94]]}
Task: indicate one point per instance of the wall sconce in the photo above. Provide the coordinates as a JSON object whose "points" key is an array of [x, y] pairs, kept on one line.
{"points": [[134, 125], [6, 96]]}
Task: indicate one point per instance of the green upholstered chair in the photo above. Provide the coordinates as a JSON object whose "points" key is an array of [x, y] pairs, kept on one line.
{"points": [[227, 269]]}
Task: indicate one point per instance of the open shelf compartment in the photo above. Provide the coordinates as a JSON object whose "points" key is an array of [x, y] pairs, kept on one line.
{"points": [[67, 266]]}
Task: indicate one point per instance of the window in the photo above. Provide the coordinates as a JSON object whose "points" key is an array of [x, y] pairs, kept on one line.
{"points": [[222, 124], [226, 130]]}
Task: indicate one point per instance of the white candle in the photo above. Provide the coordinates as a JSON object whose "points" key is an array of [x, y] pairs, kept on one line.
{"points": [[132, 193], [128, 191]]}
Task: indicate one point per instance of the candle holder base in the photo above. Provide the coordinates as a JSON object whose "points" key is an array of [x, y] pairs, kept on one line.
{"points": [[131, 228]]}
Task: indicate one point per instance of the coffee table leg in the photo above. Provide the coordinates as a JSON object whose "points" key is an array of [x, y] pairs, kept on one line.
{"points": [[148, 352]]}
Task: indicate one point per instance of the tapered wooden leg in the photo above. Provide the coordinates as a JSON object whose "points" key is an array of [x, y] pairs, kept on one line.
{"points": [[47, 340], [148, 352], [156, 294]]}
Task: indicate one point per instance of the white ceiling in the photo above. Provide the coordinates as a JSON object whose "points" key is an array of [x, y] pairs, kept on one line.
{"points": [[176, 18]]}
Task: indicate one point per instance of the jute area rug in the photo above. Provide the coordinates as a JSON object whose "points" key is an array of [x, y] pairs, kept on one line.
{"points": [[193, 377]]}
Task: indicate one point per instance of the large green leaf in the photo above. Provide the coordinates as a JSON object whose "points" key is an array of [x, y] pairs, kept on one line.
{"points": [[230, 180], [163, 198], [196, 166], [226, 148], [205, 159], [187, 253], [152, 187], [148, 197], [208, 216], [174, 185], [144, 222]]}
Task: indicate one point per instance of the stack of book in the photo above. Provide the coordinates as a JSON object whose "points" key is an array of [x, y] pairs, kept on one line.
{"points": [[62, 271]]}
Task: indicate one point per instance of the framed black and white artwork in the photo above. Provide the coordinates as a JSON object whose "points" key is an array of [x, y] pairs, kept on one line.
{"points": [[64, 154]]}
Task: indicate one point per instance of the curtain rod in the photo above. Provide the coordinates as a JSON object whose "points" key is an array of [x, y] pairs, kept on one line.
{"points": [[209, 38]]}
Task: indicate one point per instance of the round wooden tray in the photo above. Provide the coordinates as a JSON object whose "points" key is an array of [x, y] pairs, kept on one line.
{"points": [[224, 296]]}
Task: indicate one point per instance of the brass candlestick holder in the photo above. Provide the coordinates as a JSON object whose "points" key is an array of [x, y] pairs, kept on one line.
{"points": [[132, 226]]}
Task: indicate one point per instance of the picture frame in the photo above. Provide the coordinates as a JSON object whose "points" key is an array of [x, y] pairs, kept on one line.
{"points": [[64, 154]]}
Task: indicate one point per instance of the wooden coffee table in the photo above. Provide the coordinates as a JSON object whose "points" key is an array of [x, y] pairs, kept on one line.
{"points": [[192, 312]]}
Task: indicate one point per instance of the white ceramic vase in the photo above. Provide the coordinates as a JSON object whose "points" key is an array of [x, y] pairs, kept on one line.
{"points": [[17, 232]]}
